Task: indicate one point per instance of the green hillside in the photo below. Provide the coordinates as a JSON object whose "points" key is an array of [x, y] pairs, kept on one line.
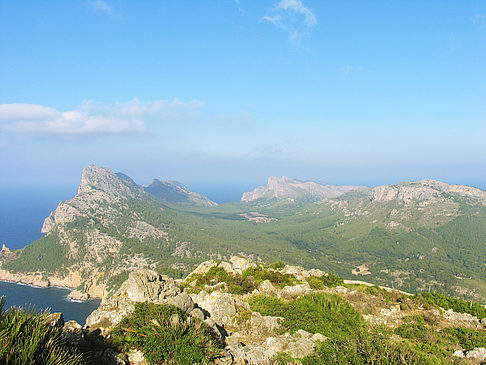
{"points": [[436, 244]]}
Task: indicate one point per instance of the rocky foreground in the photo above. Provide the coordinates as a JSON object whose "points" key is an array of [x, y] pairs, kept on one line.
{"points": [[209, 295]]}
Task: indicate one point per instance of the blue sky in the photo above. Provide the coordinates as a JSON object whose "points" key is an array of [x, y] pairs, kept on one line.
{"points": [[225, 92]]}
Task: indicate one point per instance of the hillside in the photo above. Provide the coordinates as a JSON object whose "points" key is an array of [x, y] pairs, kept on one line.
{"points": [[242, 312], [414, 236]]}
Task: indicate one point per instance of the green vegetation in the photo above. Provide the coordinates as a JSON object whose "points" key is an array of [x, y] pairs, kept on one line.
{"points": [[321, 282], [323, 313], [441, 301], [241, 284], [166, 334], [373, 348], [467, 338], [26, 339]]}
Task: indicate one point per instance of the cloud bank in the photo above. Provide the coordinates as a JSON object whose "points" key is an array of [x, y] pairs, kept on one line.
{"points": [[94, 118]]}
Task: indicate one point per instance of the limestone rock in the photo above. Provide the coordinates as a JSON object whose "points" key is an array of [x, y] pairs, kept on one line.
{"points": [[478, 354], [204, 267], [240, 264], [77, 295], [141, 286], [221, 306]]}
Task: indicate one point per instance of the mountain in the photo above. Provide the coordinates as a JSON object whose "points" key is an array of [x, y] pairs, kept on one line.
{"points": [[415, 236], [175, 192], [286, 188]]}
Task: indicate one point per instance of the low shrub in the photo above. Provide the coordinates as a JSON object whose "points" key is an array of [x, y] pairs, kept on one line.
{"points": [[260, 274], [319, 312], [26, 338], [369, 348], [319, 282], [467, 338], [166, 334]]}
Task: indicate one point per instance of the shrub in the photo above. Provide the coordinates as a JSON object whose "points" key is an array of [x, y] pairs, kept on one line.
{"points": [[26, 338], [363, 348], [166, 334], [319, 312], [278, 265], [319, 283], [260, 274], [467, 338]]}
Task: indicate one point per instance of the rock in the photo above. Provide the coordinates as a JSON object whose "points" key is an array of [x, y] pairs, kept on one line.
{"points": [[297, 290], [252, 354], [483, 321], [478, 354], [461, 319], [221, 306], [318, 337], [55, 320], [264, 323], [141, 286], [73, 333], [135, 357], [197, 313], [301, 348], [277, 344], [459, 354], [204, 267], [240, 264], [227, 266], [267, 288], [77, 295]]}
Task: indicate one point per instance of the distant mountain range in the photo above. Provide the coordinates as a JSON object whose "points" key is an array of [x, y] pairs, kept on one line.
{"points": [[416, 236]]}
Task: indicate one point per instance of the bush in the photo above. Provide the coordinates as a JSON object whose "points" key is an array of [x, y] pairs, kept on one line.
{"points": [[320, 312], [260, 274], [279, 265], [26, 338], [467, 338], [363, 348], [166, 334], [319, 283]]}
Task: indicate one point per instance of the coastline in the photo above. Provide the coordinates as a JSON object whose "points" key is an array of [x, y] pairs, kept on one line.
{"points": [[36, 280]]}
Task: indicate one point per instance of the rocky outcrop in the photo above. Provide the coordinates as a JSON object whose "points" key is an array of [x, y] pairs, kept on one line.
{"points": [[141, 286], [287, 188], [424, 190]]}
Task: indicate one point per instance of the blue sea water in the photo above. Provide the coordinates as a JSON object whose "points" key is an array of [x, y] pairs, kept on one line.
{"points": [[52, 298]]}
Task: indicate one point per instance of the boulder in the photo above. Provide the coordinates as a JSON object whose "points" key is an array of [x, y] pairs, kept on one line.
{"points": [[240, 264], [221, 306], [141, 286]]}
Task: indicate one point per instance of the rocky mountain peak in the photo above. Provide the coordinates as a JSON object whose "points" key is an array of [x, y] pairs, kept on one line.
{"points": [[287, 188], [175, 192], [103, 179]]}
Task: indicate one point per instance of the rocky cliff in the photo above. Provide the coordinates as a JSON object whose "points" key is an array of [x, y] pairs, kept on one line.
{"points": [[175, 192]]}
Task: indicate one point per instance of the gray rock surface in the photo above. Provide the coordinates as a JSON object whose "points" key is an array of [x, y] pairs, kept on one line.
{"points": [[141, 286]]}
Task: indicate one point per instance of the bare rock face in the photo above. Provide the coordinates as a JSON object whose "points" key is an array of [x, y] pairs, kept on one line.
{"points": [[141, 286], [287, 188], [424, 190]]}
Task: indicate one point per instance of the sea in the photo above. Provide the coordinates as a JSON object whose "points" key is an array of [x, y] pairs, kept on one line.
{"points": [[22, 213]]}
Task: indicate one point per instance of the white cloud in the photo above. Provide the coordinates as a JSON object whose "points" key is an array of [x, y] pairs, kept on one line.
{"points": [[94, 118], [102, 6], [297, 7], [293, 17]]}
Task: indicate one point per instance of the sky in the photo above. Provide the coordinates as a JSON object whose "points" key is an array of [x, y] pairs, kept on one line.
{"points": [[224, 93]]}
